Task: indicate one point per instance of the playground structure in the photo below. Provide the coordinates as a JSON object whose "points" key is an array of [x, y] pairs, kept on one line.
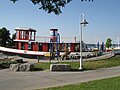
{"points": [[54, 38], [27, 43]]}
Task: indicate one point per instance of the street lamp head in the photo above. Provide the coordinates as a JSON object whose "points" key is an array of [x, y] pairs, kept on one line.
{"points": [[84, 22]]}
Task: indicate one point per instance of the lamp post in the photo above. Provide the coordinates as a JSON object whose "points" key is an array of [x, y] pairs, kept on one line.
{"points": [[82, 23]]}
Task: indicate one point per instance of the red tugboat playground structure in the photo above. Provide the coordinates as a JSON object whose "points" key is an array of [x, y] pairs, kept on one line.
{"points": [[28, 43]]}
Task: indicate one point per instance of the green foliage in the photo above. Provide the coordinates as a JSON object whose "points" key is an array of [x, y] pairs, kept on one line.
{"points": [[12, 44], [108, 43], [51, 6], [6, 64], [104, 84], [42, 66], [110, 62], [14, 1], [5, 39], [87, 65]]}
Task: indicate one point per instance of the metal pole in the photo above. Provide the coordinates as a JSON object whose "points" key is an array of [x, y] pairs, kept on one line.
{"points": [[81, 66], [82, 23], [58, 42], [57, 47], [50, 49]]}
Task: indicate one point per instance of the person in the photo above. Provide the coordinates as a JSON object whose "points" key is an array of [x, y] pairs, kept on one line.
{"points": [[67, 52]]}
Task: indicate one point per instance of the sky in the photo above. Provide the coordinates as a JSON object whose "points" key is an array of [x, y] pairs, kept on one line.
{"points": [[103, 17]]}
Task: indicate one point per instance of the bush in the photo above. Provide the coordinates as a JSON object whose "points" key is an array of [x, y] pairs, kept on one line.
{"points": [[6, 64]]}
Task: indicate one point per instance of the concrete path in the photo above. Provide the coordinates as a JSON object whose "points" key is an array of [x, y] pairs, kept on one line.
{"points": [[43, 79], [106, 55]]}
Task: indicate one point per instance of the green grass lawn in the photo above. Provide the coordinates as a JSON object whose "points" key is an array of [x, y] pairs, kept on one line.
{"points": [[87, 65], [104, 84]]}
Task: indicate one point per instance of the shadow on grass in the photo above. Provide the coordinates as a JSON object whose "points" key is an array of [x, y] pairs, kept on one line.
{"points": [[71, 70], [38, 69], [78, 70]]}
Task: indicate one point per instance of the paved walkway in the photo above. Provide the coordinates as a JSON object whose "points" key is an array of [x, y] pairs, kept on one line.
{"points": [[43, 79], [106, 55]]}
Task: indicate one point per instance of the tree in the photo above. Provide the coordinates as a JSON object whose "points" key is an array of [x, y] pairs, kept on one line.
{"points": [[108, 43], [5, 39], [13, 43], [51, 5]]}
